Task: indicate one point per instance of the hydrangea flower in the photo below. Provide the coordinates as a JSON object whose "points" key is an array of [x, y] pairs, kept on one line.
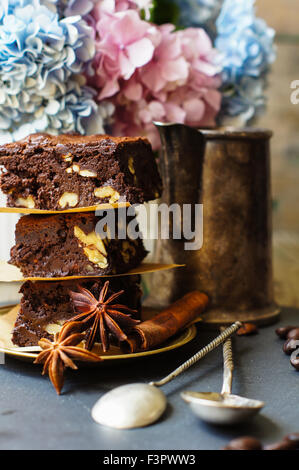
{"points": [[246, 42], [42, 59], [178, 85], [73, 7], [243, 102], [125, 44], [246, 45], [199, 13], [169, 66], [72, 109], [50, 4], [8, 6], [84, 7]]}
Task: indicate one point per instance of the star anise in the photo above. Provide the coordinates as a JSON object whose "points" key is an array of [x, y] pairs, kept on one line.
{"points": [[58, 355], [104, 316]]}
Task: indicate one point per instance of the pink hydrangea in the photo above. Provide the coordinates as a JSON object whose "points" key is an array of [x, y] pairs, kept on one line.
{"points": [[169, 66], [183, 105], [153, 73], [125, 43], [178, 85]]}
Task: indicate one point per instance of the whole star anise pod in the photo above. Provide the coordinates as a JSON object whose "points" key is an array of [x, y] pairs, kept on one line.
{"points": [[104, 315], [58, 355]]}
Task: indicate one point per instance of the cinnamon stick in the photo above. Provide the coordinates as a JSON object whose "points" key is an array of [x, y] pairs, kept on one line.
{"points": [[167, 323]]}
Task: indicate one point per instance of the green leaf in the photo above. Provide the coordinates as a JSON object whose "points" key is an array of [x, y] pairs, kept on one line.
{"points": [[165, 11]]}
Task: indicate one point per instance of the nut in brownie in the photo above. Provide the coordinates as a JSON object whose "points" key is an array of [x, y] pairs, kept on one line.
{"points": [[70, 244]]}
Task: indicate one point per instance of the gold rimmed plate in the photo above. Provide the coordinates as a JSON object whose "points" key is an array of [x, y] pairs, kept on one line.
{"points": [[8, 317]]}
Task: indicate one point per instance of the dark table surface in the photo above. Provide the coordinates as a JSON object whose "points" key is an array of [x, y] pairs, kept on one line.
{"points": [[32, 416]]}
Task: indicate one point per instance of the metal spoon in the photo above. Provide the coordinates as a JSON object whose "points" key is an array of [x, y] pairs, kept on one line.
{"points": [[137, 405], [223, 408]]}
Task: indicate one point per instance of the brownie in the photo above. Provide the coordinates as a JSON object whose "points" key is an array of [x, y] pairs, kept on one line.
{"points": [[45, 306], [67, 171], [69, 244]]}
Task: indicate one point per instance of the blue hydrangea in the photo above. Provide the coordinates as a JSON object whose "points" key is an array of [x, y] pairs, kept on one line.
{"points": [[235, 15], [73, 109], [8, 6], [199, 13], [42, 58], [73, 7], [243, 102], [247, 51], [246, 42]]}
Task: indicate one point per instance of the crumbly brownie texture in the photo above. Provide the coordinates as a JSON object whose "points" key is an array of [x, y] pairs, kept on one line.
{"points": [[68, 245], [67, 171], [45, 306]]}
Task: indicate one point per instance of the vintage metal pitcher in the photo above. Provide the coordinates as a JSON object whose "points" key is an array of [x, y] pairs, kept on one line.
{"points": [[228, 171]]}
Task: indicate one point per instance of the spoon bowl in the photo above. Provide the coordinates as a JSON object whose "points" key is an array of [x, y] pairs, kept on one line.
{"points": [[221, 409], [130, 406], [140, 404]]}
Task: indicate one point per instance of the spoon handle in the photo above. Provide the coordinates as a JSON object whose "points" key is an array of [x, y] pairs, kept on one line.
{"points": [[203, 352], [228, 367]]}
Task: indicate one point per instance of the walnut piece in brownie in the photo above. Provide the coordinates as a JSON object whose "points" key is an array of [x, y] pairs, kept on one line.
{"points": [[45, 306], [68, 171], [70, 244]]}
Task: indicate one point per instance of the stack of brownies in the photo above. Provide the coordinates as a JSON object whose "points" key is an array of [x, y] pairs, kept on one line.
{"points": [[57, 174]]}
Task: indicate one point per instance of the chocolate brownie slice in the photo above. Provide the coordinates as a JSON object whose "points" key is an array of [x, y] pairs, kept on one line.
{"points": [[45, 306], [71, 244], [67, 171]]}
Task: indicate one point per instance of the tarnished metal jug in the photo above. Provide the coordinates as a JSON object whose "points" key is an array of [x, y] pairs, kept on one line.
{"points": [[228, 171]]}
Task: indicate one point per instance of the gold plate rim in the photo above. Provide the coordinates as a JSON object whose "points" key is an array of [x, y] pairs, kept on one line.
{"points": [[180, 339], [185, 337]]}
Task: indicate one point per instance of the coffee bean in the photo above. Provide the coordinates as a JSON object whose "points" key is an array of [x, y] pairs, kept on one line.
{"points": [[282, 445], [290, 346], [284, 330], [293, 334], [244, 443], [289, 442], [294, 437], [295, 362]]}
